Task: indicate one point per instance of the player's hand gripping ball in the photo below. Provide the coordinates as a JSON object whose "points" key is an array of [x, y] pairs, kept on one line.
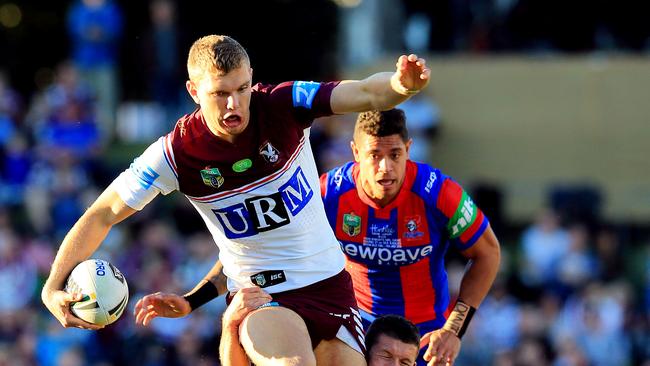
{"points": [[104, 290]]}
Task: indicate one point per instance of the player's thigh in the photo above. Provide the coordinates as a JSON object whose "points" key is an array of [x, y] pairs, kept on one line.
{"points": [[334, 352], [276, 336]]}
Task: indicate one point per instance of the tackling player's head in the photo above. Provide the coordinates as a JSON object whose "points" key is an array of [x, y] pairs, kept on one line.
{"points": [[220, 81], [380, 146], [392, 340]]}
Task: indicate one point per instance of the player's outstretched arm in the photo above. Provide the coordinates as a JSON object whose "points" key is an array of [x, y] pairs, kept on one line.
{"points": [[383, 90], [81, 241], [243, 303], [485, 256], [175, 306]]}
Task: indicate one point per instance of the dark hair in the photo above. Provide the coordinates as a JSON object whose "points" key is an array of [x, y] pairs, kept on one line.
{"points": [[393, 326], [382, 123], [214, 53]]}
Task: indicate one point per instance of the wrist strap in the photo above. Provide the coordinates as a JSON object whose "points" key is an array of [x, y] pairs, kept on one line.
{"points": [[459, 318], [203, 294]]}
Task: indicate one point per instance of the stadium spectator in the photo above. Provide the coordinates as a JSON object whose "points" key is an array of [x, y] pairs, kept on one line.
{"points": [[63, 117], [18, 278], [163, 66], [11, 103], [483, 345], [423, 116], [236, 131], [577, 266], [543, 244], [16, 164], [95, 27], [608, 255]]}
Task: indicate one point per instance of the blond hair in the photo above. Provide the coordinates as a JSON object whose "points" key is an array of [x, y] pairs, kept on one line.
{"points": [[215, 53]]}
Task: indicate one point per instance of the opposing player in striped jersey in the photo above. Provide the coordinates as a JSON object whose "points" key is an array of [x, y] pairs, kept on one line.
{"points": [[396, 219], [244, 161]]}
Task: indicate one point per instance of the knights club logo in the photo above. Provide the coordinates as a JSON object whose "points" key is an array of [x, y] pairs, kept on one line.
{"points": [[269, 153], [412, 224], [212, 177], [351, 224]]}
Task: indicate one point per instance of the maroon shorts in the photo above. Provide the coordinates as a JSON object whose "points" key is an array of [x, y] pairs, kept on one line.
{"points": [[325, 306]]}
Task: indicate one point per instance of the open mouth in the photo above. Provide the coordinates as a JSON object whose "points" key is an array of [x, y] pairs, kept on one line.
{"points": [[232, 120], [385, 182]]}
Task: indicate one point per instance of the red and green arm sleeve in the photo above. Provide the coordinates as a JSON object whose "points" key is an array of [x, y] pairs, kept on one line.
{"points": [[466, 222]]}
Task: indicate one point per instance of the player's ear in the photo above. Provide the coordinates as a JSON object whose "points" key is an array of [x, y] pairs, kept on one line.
{"points": [[355, 151], [191, 89], [408, 147]]}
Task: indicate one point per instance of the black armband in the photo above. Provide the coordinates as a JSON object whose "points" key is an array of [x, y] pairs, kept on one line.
{"points": [[203, 294], [459, 318]]}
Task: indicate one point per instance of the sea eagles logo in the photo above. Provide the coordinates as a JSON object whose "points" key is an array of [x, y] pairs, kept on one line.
{"points": [[259, 279], [212, 177], [351, 224], [269, 153]]}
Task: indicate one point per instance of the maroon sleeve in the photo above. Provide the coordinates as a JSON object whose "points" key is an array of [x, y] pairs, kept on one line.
{"points": [[305, 100]]}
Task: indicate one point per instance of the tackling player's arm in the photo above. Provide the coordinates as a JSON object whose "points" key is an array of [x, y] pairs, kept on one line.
{"points": [[243, 303], [484, 258], [231, 352], [383, 90], [81, 241], [168, 305]]}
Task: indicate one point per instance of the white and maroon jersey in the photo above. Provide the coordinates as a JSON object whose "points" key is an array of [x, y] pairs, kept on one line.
{"points": [[258, 196]]}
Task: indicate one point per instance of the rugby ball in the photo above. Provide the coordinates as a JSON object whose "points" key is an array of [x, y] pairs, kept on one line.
{"points": [[104, 290]]}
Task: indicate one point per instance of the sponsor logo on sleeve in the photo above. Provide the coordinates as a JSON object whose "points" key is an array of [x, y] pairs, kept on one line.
{"points": [[351, 224], [429, 185], [143, 173], [304, 93], [463, 218], [212, 177], [338, 177]]}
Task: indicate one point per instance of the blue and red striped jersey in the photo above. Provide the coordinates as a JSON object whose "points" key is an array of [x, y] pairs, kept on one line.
{"points": [[396, 253]]}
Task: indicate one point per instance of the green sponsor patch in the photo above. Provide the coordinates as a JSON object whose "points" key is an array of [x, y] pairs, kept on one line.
{"points": [[463, 218], [242, 165]]}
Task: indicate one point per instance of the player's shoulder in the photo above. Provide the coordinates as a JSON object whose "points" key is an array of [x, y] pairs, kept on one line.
{"points": [[427, 179], [274, 91], [339, 179], [188, 128]]}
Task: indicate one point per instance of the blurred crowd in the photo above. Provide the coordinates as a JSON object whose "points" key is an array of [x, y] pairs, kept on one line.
{"points": [[572, 290]]}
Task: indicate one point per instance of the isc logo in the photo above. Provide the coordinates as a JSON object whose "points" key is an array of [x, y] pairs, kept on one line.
{"points": [[429, 185], [264, 213]]}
